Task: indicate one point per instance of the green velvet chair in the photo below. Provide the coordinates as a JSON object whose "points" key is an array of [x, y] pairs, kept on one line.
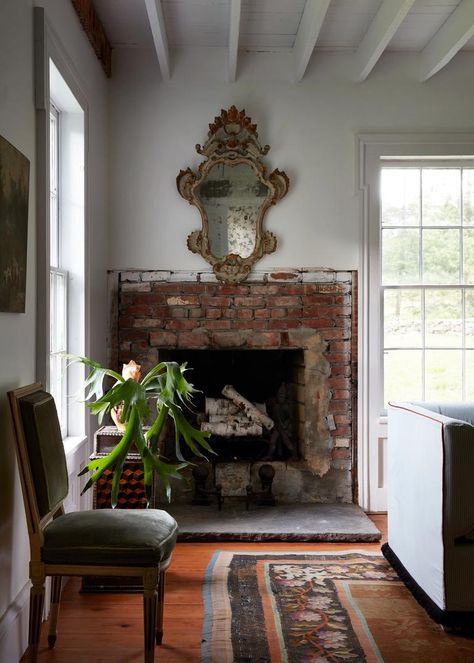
{"points": [[104, 542]]}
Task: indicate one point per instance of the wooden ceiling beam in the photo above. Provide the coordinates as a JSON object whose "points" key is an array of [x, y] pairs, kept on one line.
{"points": [[160, 39], [448, 41], [234, 32], [385, 24], [92, 26], [308, 33]]}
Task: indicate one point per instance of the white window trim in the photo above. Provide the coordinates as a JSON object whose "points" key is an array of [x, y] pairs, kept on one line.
{"points": [[370, 151], [48, 47]]}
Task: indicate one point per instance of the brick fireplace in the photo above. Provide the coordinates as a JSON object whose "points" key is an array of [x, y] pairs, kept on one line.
{"points": [[298, 326]]}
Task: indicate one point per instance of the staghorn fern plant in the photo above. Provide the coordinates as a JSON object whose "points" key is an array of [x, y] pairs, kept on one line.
{"points": [[129, 404]]}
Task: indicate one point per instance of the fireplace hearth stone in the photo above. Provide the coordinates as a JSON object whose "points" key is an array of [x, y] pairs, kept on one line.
{"points": [[284, 522]]}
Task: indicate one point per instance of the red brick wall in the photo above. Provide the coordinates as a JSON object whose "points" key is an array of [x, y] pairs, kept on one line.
{"points": [[160, 310]]}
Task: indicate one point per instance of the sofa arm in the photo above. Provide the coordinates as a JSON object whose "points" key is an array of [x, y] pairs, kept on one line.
{"points": [[438, 446]]}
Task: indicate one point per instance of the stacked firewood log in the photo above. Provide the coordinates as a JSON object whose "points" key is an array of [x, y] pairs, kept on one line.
{"points": [[235, 416]]}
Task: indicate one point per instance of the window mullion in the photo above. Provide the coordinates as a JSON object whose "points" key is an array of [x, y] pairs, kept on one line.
{"points": [[423, 299], [463, 341], [423, 344], [420, 228], [463, 291]]}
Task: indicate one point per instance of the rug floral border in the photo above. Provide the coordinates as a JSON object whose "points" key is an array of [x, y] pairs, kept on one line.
{"points": [[237, 630]]}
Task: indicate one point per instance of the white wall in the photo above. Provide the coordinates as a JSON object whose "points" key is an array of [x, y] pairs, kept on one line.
{"points": [[309, 125], [18, 331]]}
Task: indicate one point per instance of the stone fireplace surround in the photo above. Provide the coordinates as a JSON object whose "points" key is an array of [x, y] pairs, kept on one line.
{"points": [[153, 312]]}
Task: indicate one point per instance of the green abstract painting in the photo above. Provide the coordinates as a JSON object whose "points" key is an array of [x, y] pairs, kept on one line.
{"points": [[14, 191]]}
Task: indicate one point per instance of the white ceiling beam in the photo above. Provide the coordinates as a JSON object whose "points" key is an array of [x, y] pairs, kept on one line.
{"points": [[385, 24], [308, 32], [449, 39], [160, 39], [234, 31]]}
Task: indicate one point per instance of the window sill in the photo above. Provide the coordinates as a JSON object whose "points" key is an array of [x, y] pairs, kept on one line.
{"points": [[72, 444]]}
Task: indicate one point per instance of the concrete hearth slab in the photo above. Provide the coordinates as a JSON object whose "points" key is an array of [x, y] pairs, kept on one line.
{"points": [[284, 522]]}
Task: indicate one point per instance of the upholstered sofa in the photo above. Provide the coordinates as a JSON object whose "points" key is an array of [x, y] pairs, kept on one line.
{"points": [[431, 505]]}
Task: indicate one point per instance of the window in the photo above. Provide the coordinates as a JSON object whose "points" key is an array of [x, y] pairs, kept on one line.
{"points": [[416, 283], [65, 248], [427, 281]]}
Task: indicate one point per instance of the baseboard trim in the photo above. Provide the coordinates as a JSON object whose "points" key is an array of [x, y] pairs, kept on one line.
{"points": [[14, 627]]}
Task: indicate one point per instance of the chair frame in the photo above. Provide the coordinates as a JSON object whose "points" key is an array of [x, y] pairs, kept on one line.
{"points": [[153, 576]]}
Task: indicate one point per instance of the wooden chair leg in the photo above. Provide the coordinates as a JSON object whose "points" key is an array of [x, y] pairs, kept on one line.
{"points": [[161, 605], [36, 614], [53, 617], [150, 604]]}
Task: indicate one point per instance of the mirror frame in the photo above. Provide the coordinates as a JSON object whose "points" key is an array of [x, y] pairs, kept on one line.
{"points": [[232, 139]]}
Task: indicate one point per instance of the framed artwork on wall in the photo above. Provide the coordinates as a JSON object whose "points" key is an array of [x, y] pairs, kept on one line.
{"points": [[14, 193]]}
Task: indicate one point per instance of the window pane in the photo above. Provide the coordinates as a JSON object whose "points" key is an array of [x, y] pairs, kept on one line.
{"points": [[400, 256], [402, 318], [468, 195], [402, 375], [469, 318], [53, 190], [441, 196], [470, 375], [400, 191], [443, 318], [58, 341], [57, 376], [441, 256], [443, 375], [468, 236]]}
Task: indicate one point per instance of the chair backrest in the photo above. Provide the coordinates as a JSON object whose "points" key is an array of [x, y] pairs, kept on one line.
{"points": [[40, 452]]}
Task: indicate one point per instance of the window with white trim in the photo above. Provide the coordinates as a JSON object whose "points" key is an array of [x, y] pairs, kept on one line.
{"points": [[427, 280], [404, 305], [66, 251]]}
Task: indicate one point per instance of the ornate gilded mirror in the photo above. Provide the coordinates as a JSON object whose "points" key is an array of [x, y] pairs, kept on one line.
{"points": [[232, 192]]}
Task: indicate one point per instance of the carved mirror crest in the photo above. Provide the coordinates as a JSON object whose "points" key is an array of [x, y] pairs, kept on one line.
{"points": [[232, 191]]}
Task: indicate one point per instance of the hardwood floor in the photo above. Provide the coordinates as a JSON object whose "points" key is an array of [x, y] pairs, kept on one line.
{"points": [[108, 628]]}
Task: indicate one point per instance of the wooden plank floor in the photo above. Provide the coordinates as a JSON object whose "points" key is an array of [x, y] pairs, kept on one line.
{"points": [[108, 628]]}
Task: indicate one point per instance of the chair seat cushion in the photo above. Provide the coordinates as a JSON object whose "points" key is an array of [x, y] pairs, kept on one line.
{"points": [[109, 537]]}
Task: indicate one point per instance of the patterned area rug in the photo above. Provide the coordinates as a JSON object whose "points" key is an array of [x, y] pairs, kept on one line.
{"points": [[318, 608]]}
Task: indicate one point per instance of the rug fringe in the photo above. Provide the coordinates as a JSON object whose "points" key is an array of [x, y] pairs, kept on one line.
{"points": [[453, 619]]}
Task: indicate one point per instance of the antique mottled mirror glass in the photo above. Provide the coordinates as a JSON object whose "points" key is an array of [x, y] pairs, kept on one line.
{"points": [[232, 192]]}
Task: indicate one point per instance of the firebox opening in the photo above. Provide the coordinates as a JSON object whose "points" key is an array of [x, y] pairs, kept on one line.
{"points": [[272, 380]]}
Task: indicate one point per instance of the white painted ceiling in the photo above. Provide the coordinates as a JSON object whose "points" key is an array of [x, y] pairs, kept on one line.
{"points": [[273, 25]]}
